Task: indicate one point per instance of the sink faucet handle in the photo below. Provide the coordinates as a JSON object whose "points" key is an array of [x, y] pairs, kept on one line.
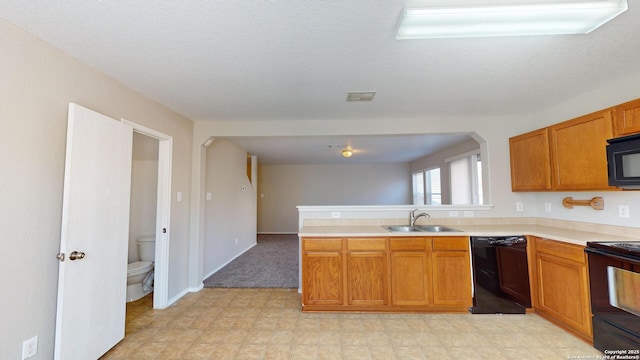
{"points": [[412, 216]]}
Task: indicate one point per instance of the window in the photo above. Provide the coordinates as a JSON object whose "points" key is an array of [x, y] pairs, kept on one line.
{"points": [[434, 192], [418, 188], [466, 179], [462, 179], [426, 187]]}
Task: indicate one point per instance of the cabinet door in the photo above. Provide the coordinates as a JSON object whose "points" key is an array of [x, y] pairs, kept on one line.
{"points": [[322, 278], [367, 278], [451, 278], [530, 161], [579, 158], [627, 119], [410, 278], [563, 291]]}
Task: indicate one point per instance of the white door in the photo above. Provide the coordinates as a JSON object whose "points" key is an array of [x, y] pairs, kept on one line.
{"points": [[95, 222]]}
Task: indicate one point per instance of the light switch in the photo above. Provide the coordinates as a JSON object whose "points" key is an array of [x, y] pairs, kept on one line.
{"points": [[179, 196], [208, 196]]}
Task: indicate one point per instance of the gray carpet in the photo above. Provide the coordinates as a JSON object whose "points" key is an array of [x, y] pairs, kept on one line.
{"points": [[272, 263]]}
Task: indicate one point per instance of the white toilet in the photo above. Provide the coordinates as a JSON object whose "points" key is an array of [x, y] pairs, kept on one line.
{"points": [[140, 273]]}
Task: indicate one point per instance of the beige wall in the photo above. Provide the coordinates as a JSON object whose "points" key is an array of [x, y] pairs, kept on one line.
{"points": [[286, 186], [494, 130], [144, 192], [614, 93], [37, 82], [230, 215]]}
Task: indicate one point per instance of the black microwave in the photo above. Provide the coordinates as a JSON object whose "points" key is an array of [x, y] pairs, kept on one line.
{"points": [[623, 162]]}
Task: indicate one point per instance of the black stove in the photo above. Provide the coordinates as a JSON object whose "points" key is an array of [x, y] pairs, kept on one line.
{"points": [[614, 273], [628, 248]]}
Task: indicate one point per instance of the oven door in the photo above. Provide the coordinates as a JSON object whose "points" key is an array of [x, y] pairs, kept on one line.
{"points": [[615, 300]]}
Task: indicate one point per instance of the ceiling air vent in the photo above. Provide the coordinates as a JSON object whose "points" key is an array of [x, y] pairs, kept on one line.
{"points": [[353, 96]]}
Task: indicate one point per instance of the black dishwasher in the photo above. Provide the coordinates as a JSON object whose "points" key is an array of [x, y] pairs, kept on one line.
{"points": [[500, 275]]}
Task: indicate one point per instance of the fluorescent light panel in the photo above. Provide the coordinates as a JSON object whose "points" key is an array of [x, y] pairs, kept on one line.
{"points": [[551, 18]]}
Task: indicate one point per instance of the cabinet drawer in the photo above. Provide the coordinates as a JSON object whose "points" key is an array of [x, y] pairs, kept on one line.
{"points": [[451, 243], [321, 244], [366, 244], [559, 249], [408, 243]]}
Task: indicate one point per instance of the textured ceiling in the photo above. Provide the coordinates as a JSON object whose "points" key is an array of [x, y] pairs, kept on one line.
{"points": [[264, 60], [328, 149], [296, 60]]}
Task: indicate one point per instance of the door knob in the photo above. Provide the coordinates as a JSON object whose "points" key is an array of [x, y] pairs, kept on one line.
{"points": [[76, 255]]}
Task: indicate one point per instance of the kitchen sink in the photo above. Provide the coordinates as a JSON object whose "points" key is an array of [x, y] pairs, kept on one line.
{"points": [[402, 228], [436, 228], [421, 228]]}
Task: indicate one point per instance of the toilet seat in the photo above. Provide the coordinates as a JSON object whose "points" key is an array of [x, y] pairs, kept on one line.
{"points": [[139, 268]]}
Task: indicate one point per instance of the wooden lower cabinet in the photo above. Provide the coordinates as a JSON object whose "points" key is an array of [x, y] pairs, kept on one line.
{"points": [[451, 265], [451, 287], [563, 286], [386, 274], [367, 272], [410, 271], [322, 272]]}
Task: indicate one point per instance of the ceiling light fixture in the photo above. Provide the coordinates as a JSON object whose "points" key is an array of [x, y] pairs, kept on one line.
{"points": [[539, 18], [356, 96], [347, 153]]}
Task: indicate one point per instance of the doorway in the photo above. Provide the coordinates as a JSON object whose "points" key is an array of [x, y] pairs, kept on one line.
{"points": [[163, 207]]}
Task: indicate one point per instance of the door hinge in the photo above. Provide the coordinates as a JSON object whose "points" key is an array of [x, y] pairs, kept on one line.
{"points": [[60, 256]]}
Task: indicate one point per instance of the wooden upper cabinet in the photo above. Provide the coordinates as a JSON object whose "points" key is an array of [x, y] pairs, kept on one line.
{"points": [[627, 118], [530, 161], [578, 152]]}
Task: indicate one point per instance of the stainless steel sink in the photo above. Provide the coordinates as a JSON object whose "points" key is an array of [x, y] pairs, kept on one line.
{"points": [[402, 228], [436, 228], [421, 228]]}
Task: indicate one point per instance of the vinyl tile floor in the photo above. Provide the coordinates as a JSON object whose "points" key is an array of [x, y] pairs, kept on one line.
{"points": [[268, 324]]}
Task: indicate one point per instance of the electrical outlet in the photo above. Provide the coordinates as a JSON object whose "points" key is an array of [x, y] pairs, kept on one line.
{"points": [[453, 214], [30, 347], [519, 206], [547, 207], [335, 214], [623, 211], [468, 214], [236, 241]]}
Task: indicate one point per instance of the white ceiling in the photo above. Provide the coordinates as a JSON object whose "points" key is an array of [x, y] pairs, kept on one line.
{"points": [[328, 149], [296, 60]]}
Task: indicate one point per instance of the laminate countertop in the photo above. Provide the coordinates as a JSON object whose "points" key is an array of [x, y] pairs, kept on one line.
{"points": [[572, 236]]}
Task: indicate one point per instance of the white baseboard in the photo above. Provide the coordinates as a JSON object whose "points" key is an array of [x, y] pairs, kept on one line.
{"points": [[227, 263], [277, 233], [177, 297]]}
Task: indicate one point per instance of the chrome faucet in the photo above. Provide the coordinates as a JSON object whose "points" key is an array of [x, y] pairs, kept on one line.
{"points": [[413, 217]]}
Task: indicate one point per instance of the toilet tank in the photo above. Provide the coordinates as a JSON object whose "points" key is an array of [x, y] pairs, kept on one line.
{"points": [[147, 248]]}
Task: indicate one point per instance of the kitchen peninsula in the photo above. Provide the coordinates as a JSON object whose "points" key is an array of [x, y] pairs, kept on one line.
{"points": [[358, 265]]}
